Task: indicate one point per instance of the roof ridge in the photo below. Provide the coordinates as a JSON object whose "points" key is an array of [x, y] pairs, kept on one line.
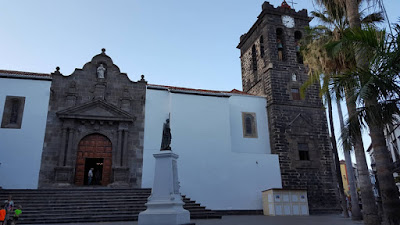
{"points": [[233, 91], [24, 74]]}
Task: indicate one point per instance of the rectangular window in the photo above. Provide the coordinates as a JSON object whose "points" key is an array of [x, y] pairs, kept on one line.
{"points": [[254, 57], [13, 112], [249, 125], [262, 46], [295, 94], [303, 151]]}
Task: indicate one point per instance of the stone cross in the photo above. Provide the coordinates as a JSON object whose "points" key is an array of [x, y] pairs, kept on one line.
{"points": [[293, 3]]}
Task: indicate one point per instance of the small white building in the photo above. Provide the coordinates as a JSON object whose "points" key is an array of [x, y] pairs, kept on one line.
{"points": [[24, 99], [222, 140]]}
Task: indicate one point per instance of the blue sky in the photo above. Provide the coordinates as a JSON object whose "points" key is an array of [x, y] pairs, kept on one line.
{"points": [[176, 42]]}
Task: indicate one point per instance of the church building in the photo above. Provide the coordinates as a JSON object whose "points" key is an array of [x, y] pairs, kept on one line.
{"points": [[232, 145]]}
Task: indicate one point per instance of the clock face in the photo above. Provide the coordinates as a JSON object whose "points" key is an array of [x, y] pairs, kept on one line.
{"points": [[288, 21]]}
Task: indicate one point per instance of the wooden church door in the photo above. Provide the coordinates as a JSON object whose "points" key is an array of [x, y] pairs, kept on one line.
{"points": [[94, 151]]}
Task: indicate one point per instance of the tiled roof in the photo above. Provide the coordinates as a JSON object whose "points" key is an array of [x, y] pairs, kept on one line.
{"points": [[24, 75], [198, 91], [236, 91]]}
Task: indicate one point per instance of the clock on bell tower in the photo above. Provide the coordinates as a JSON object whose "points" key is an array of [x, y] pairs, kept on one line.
{"points": [[272, 67]]}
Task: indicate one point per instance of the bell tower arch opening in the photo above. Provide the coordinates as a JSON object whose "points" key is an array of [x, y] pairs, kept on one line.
{"points": [[94, 152]]}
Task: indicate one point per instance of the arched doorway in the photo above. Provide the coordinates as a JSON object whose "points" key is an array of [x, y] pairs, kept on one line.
{"points": [[94, 151]]}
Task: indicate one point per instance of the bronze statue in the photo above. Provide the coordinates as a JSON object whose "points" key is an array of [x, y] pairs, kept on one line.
{"points": [[166, 137]]}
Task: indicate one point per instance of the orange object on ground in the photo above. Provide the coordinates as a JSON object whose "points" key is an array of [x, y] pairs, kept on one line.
{"points": [[2, 215]]}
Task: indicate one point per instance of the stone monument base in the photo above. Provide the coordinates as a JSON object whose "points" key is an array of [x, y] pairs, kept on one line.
{"points": [[165, 205], [165, 213]]}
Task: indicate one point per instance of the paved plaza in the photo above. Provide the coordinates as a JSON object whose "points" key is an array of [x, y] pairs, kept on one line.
{"points": [[258, 220]]}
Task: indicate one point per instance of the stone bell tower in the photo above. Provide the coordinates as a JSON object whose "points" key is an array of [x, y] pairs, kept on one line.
{"points": [[272, 67]]}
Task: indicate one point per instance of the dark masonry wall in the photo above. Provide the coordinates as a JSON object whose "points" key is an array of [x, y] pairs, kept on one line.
{"points": [[95, 119], [298, 127]]}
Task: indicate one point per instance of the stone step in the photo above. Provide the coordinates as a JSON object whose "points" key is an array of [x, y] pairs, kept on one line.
{"points": [[98, 209], [30, 206], [89, 205], [88, 194], [80, 202], [79, 189], [60, 193], [43, 218], [78, 219], [105, 218], [98, 212]]}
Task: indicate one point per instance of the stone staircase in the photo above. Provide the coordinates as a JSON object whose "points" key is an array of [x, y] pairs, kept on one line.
{"points": [[88, 205]]}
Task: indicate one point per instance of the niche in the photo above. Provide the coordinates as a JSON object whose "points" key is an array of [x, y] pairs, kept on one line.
{"points": [[297, 38], [280, 44]]}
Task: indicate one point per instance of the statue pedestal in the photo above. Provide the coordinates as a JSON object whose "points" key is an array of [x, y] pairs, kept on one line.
{"points": [[165, 205]]}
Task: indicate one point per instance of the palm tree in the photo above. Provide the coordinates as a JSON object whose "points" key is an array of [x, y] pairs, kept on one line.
{"points": [[318, 60], [342, 195], [372, 103], [355, 208], [375, 86], [369, 207], [314, 43]]}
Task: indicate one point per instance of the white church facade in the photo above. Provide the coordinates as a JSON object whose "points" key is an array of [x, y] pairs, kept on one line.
{"points": [[220, 165], [21, 142]]}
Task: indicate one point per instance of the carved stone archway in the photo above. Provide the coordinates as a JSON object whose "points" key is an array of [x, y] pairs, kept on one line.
{"points": [[94, 146]]}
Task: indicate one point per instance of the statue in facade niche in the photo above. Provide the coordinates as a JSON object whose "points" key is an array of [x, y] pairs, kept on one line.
{"points": [[166, 137], [294, 77], [100, 71]]}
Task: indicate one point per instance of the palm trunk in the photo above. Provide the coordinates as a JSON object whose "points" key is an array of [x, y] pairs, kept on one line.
{"points": [[355, 208], [367, 197], [353, 14], [389, 191], [370, 211], [384, 169], [336, 158]]}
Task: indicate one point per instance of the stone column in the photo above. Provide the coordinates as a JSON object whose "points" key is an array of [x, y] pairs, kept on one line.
{"points": [[117, 159], [68, 161], [63, 145], [124, 148], [64, 172], [120, 171]]}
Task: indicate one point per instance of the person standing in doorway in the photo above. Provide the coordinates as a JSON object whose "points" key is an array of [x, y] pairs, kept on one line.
{"points": [[90, 176]]}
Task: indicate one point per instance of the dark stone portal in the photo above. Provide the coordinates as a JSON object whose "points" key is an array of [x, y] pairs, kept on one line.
{"points": [[94, 117]]}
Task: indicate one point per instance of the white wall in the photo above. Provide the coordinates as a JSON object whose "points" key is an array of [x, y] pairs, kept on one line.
{"points": [[21, 149], [217, 166], [239, 104]]}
